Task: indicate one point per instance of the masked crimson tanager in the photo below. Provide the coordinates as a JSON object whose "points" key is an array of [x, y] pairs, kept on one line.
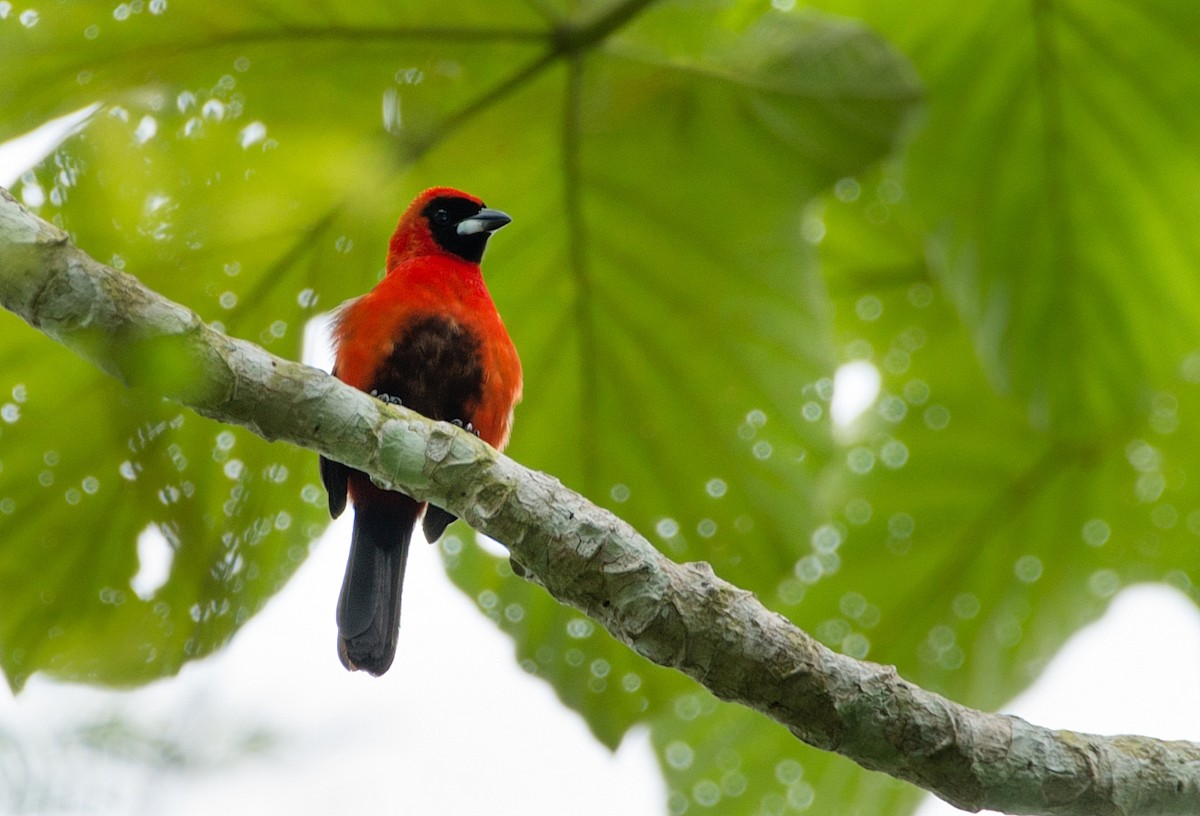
{"points": [[428, 336]]}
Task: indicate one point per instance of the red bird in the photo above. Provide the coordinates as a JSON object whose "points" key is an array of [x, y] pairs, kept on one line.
{"points": [[427, 336]]}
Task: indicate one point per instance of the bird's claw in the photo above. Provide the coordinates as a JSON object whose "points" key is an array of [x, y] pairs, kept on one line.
{"points": [[468, 427], [388, 398]]}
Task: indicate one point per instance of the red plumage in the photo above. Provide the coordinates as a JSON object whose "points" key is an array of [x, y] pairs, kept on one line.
{"points": [[427, 336]]}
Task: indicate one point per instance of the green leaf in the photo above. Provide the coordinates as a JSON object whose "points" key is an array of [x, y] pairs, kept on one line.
{"points": [[236, 513], [684, 310], [1008, 538], [1029, 452], [657, 280], [721, 756], [1021, 275], [1054, 176]]}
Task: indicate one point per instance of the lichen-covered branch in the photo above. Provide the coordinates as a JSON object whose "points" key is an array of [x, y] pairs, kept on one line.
{"points": [[681, 616]]}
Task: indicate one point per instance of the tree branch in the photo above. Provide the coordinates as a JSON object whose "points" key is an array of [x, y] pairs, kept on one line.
{"points": [[681, 616]]}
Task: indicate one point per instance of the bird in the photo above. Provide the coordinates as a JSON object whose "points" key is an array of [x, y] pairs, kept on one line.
{"points": [[427, 336]]}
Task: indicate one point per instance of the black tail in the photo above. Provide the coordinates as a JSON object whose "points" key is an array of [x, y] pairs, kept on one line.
{"points": [[368, 614]]}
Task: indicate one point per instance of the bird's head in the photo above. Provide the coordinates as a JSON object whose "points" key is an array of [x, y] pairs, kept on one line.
{"points": [[443, 220]]}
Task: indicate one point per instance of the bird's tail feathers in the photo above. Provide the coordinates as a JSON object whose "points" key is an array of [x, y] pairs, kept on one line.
{"points": [[368, 614]]}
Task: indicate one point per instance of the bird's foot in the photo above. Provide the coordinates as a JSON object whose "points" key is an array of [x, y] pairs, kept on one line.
{"points": [[465, 426], [388, 398]]}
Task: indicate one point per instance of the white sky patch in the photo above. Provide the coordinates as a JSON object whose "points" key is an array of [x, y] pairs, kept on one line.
{"points": [[19, 154], [491, 546], [318, 347], [855, 388], [155, 557]]}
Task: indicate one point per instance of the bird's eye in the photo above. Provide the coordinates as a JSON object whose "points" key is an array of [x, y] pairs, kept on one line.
{"points": [[441, 217]]}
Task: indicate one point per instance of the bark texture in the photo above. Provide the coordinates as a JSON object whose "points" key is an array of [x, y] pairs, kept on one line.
{"points": [[678, 615]]}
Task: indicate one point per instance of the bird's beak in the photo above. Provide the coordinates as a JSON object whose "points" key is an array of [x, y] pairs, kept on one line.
{"points": [[486, 220]]}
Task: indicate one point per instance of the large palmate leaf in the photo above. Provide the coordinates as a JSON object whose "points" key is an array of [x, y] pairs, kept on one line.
{"points": [[250, 161], [1023, 280], [727, 758], [1057, 172], [1022, 276], [1008, 538]]}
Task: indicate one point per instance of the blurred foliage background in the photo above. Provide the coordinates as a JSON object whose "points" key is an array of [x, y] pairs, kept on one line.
{"points": [[987, 213]]}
